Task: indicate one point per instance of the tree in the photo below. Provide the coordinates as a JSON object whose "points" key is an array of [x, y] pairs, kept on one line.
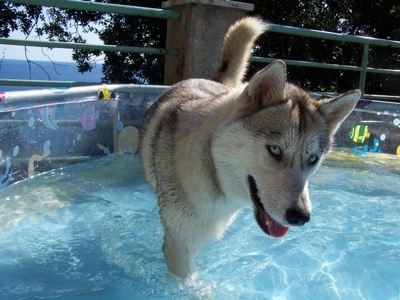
{"points": [[378, 18], [66, 25], [18, 17], [133, 31]]}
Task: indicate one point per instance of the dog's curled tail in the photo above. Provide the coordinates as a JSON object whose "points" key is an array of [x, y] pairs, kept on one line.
{"points": [[239, 40]]}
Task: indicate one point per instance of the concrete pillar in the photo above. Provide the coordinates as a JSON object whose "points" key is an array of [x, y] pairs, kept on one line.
{"points": [[198, 36]]}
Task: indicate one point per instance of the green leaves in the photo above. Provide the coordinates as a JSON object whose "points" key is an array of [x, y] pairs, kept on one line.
{"points": [[380, 19], [17, 17]]}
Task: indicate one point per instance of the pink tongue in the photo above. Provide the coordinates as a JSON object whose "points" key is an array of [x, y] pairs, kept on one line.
{"points": [[275, 229]]}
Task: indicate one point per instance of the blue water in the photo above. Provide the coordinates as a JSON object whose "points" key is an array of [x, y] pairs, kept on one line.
{"points": [[92, 231], [44, 70]]}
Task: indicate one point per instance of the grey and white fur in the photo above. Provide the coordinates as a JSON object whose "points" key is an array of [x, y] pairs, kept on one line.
{"points": [[210, 148]]}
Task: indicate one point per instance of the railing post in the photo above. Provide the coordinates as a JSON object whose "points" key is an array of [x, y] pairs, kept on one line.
{"points": [[363, 73], [198, 36]]}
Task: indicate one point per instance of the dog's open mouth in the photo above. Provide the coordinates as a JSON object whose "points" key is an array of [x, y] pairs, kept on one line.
{"points": [[264, 220]]}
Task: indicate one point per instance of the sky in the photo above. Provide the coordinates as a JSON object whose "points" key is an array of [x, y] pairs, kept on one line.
{"points": [[39, 53]]}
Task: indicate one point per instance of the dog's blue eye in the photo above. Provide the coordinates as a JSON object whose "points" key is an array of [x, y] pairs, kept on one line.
{"points": [[275, 150], [313, 159]]}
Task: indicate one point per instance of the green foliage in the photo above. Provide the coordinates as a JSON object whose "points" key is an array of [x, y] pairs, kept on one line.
{"points": [[376, 18], [17, 17], [379, 19], [134, 31], [65, 25]]}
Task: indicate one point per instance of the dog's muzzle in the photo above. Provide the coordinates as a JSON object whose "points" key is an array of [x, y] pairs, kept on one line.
{"points": [[264, 220]]}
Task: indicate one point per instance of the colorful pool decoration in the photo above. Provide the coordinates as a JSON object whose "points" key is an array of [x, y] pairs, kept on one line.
{"points": [[48, 116], [128, 140], [6, 177], [374, 126], [105, 93], [89, 118], [359, 133]]}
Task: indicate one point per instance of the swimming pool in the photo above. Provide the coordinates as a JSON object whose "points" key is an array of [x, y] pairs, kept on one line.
{"points": [[92, 231]]}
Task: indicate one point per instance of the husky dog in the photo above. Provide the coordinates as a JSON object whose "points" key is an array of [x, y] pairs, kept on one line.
{"points": [[209, 148]]}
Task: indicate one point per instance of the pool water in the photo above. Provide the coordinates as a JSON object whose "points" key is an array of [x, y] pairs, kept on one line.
{"points": [[92, 231]]}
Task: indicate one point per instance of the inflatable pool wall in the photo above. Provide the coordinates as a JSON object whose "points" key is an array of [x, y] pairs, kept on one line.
{"points": [[373, 127], [46, 129]]}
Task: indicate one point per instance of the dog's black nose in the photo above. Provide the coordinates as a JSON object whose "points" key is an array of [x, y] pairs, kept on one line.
{"points": [[297, 217]]}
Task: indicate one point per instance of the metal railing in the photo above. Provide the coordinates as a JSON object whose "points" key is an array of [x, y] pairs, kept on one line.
{"points": [[105, 7], [88, 6], [363, 69]]}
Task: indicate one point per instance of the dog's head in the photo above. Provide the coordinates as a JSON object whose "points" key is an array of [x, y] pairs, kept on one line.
{"points": [[277, 136]]}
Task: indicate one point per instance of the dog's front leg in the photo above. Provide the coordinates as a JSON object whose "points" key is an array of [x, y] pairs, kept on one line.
{"points": [[178, 258]]}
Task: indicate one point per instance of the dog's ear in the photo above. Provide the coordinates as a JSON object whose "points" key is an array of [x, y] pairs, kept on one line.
{"points": [[335, 110], [266, 88]]}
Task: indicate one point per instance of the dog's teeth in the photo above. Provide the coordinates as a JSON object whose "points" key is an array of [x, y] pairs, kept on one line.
{"points": [[266, 223]]}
